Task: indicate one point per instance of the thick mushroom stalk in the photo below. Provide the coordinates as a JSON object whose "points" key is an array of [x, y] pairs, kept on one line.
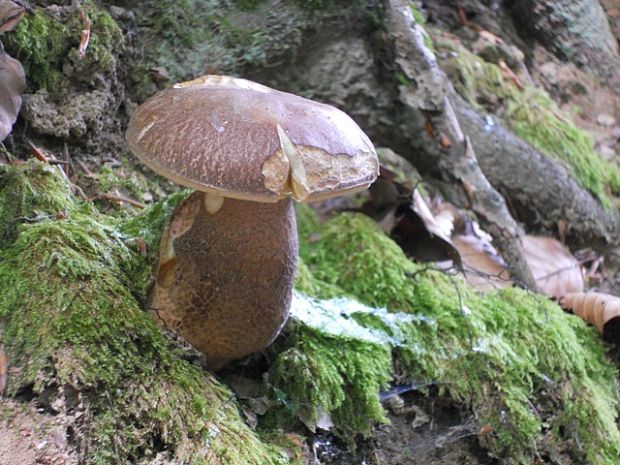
{"points": [[224, 279]]}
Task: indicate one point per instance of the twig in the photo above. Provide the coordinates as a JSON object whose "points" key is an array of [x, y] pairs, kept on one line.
{"points": [[120, 199], [462, 16], [37, 152], [89, 173], [40, 155]]}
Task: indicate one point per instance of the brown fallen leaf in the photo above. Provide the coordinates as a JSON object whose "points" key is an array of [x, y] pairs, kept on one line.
{"points": [[484, 269], [486, 429], [428, 126], [37, 152], [444, 141], [555, 269], [85, 35], [598, 309], [461, 15], [419, 234], [11, 13], [12, 86]]}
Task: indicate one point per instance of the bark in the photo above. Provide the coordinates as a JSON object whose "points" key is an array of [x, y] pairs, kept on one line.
{"points": [[575, 30], [454, 156], [541, 191]]}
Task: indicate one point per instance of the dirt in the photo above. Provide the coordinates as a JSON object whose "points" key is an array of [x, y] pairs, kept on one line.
{"points": [[28, 436], [428, 430]]}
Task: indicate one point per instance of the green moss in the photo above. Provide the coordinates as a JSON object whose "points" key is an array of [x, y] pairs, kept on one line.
{"points": [[125, 180], [144, 236], [499, 354], [320, 374], [106, 38], [70, 323], [533, 116], [41, 44], [308, 221], [29, 194], [48, 47], [539, 122], [417, 14]]}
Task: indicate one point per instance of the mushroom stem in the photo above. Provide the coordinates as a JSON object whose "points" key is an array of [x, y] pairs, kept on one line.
{"points": [[225, 279], [213, 202]]}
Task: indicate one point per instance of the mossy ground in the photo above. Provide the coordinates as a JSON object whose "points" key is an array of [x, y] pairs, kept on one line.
{"points": [[532, 115], [70, 324], [536, 375]]}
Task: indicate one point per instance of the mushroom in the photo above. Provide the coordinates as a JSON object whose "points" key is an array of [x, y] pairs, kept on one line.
{"points": [[228, 257]]}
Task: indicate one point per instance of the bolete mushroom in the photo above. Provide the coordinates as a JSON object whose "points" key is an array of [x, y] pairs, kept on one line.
{"points": [[228, 257]]}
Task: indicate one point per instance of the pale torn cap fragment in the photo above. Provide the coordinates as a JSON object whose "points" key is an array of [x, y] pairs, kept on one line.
{"points": [[235, 138]]}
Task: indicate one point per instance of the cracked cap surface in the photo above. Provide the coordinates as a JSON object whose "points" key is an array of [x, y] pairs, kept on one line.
{"points": [[236, 138]]}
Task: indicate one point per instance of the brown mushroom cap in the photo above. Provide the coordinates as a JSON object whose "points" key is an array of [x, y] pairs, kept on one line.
{"points": [[235, 138]]}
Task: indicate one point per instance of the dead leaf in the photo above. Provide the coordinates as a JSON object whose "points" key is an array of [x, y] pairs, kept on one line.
{"points": [[429, 128], [444, 141], [85, 35], [555, 269], [598, 309], [12, 86], [421, 208], [420, 235], [486, 429], [11, 14], [37, 152], [461, 15], [562, 228], [484, 269]]}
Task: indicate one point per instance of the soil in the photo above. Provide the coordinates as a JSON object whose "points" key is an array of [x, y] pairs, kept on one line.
{"points": [[429, 430], [29, 436]]}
